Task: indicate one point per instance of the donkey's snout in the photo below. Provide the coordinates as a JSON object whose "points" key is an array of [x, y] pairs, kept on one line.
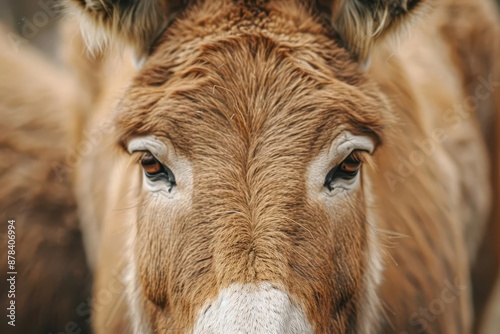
{"points": [[252, 309]]}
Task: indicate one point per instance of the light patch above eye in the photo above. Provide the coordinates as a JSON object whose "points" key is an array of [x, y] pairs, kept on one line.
{"points": [[148, 143], [346, 143]]}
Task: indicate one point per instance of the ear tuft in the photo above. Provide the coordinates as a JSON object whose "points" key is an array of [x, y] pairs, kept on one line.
{"points": [[362, 23], [121, 22]]}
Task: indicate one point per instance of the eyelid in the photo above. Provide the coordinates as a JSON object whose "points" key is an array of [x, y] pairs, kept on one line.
{"points": [[357, 155], [149, 144], [350, 144], [140, 154], [138, 148]]}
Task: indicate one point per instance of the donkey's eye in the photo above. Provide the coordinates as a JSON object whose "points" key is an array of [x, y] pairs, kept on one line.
{"points": [[155, 170], [347, 170], [151, 165], [349, 167]]}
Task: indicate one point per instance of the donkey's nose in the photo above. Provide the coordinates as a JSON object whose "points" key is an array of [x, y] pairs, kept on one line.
{"points": [[252, 309]]}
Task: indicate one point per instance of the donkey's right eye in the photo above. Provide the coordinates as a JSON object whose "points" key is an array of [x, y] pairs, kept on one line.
{"points": [[156, 171], [151, 165]]}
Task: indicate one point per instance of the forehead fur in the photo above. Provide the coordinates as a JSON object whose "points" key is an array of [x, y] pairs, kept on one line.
{"points": [[217, 74]]}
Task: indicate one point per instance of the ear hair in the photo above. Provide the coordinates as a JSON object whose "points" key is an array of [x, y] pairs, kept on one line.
{"points": [[122, 22], [362, 23]]}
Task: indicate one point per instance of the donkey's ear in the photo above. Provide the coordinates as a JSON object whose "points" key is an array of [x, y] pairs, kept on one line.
{"points": [[362, 23], [123, 22]]}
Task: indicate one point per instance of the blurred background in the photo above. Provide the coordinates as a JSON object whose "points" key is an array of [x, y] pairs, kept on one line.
{"points": [[53, 281], [35, 23], [23, 18]]}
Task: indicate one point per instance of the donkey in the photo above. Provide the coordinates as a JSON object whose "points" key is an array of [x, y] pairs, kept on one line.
{"points": [[287, 167]]}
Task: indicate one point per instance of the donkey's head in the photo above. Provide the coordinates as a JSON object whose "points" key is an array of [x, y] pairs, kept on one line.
{"points": [[254, 126]]}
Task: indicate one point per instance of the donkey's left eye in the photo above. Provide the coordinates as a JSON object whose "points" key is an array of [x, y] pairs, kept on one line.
{"points": [[155, 170], [346, 171]]}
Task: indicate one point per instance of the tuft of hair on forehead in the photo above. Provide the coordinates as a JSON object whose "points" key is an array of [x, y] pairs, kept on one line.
{"points": [[362, 23], [119, 23]]}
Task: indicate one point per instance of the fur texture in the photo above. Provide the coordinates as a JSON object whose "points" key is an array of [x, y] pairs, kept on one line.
{"points": [[362, 24], [104, 23], [250, 93], [53, 280]]}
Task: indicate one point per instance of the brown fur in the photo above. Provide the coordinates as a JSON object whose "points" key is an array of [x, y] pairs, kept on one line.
{"points": [[250, 93], [53, 281], [481, 64], [102, 78], [364, 23], [137, 21]]}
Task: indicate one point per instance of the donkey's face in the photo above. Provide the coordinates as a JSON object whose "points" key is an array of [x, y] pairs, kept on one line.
{"points": [[252, 128], [254, 196]]}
